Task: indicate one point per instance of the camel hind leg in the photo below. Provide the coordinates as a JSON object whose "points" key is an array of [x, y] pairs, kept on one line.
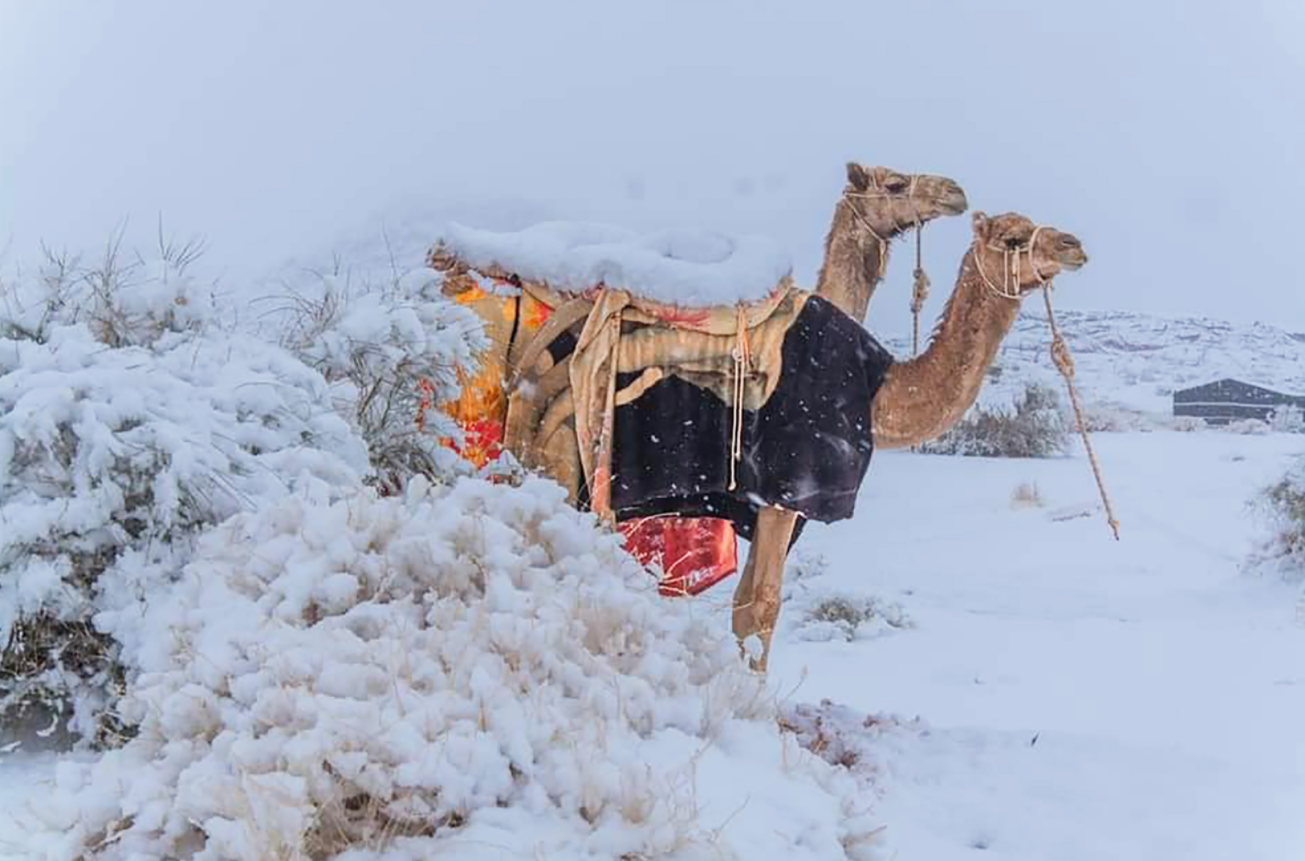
{"points": [[757, 598]]}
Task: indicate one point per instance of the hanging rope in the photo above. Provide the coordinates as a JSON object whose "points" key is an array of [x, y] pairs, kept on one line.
{"points": [[742, 361], [1064, 363], [919, 291]]}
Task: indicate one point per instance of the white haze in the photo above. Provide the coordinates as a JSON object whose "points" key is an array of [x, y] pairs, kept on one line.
{"points": [[1164, 134]]}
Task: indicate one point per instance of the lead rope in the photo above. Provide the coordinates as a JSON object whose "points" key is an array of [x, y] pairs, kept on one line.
{"points": [[1064, 363], [919, 291], [1060, 355], [742, 358]]}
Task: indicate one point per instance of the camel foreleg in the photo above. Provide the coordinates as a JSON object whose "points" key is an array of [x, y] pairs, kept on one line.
{"points": [[757, 599]]}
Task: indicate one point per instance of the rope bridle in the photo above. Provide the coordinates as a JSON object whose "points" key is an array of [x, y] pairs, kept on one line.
{"points": [[1011, 270], [1060, 355]]}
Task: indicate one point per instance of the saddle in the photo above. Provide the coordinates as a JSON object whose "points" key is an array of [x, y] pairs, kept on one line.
{"points": [[560, 406]]}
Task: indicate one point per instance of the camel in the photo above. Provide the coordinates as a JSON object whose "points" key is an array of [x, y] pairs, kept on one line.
{"points": [[796, 373], [877, 205], [920, 399]]}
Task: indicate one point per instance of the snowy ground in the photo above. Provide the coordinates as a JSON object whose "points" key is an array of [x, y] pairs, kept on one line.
{"points": [[1081, 699], [1165, 690]]}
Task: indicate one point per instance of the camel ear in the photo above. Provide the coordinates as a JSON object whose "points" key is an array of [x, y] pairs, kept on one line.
{"points": [[857, 176], [979, 220]]}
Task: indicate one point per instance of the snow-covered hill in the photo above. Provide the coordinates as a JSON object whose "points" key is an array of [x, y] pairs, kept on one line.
{"points": [[1138, 360]]}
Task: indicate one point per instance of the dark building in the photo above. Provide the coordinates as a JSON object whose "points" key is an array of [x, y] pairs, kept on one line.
{"points": [[1231, 400]]}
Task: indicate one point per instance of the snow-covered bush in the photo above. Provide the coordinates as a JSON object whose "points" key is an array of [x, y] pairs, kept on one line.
{"points": [[846, 738], [1035, 427], [1287, 418], [1283, 506], [851, 617], [1026, 494], [390, 351], [1186, 424], [1108, 417], [472, 670], [125, 300], [128, 425], [1248, 427]]}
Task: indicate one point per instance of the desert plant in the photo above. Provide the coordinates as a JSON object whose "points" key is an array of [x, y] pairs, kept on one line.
{"points": [[850, 617], [130, 423], [1282, 504], [1026, 495], [1248, 427], [1287, 418], [419, 671], [1035, 427]]}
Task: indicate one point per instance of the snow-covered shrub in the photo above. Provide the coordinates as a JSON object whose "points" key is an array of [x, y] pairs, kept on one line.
{"points": [[1283, 506], [1035, 427], [1287, 418], [1248, 427], [390, 351], [1107, 417], [125, 300], [851, 617], [127, 427], [1026, 494], [472, 670], [846, 738], [1186, 424]]}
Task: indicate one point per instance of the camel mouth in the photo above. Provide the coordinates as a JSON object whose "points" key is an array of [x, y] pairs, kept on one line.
{"points": [[953, 201], [1069, 253], [1072, 258]]}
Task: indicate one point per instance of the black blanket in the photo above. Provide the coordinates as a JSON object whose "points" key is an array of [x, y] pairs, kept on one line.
{"points": [[807, 449]]}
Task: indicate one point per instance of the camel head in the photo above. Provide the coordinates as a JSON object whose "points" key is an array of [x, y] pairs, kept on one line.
{"points": [[1015, 255], [892, 202]]}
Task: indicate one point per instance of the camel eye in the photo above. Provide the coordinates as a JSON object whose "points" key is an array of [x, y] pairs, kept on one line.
{"points": [[1013, 242], [896, 183]]}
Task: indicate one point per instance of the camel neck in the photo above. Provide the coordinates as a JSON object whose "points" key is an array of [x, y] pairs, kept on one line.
{"points": [[854, 262], [928, 394]]}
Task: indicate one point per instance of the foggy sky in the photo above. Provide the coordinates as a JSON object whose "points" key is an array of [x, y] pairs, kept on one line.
{"points": [[1164, 134]]}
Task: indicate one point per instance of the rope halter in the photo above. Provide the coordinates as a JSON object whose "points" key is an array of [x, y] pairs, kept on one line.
{"points": [[1010, 266], [877, 192]]}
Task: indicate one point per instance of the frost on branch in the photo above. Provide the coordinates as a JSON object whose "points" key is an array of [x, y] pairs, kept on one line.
{"points": [[473, 669], [128, 426], [389, 351]]}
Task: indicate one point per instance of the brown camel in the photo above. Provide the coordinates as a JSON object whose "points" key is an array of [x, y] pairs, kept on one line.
{"points": [[878, 204], [923, 397], [907, 403]]}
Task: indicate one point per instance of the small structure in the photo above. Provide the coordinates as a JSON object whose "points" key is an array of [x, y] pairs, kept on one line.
{"points": [[1230, 400]]}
